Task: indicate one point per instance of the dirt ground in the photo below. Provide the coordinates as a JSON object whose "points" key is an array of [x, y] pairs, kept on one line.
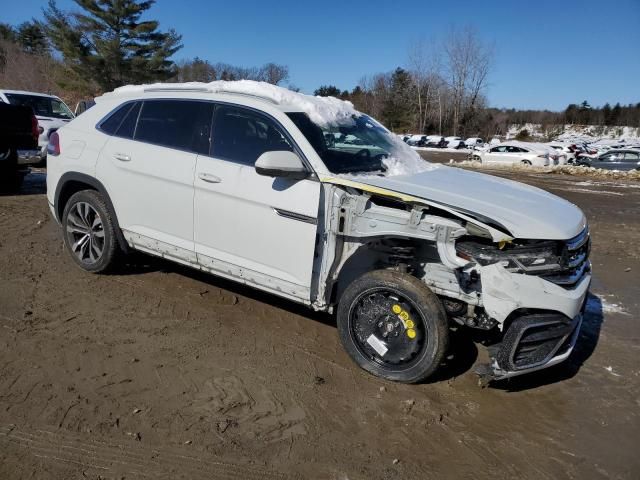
{"points": [[163, 372]]}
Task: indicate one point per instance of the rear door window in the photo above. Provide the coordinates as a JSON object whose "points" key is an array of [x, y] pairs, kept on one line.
{"points": [[241, 135], [179, 124]]}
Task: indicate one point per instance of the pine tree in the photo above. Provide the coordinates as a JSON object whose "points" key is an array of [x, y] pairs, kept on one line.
{"points": [[108, 44], [32, 38], [397, 111], [327, 91]]}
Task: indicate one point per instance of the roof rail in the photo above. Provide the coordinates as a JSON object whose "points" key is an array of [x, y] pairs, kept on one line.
{"points": [[205, 89], [177, 89], [245, 94]]}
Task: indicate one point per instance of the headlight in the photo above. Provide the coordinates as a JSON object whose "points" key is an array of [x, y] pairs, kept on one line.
{"points": [[535, 257]]}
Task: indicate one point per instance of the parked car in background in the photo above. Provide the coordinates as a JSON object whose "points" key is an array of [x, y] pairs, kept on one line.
{"points": [[436, 141], [568, 150], [82, 106], [474, 142], [417, 140], [621, 159], [556, 156], [454, 142], [18, 144], [515, 153], [50, 111]]}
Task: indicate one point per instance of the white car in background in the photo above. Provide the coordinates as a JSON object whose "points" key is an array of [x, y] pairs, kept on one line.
{"points": [[50, 111], [515, 153], [454, 142], [566, 151], [474, 142]]}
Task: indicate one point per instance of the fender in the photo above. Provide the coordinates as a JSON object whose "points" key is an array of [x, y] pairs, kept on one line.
{"points": [[81, 178]]}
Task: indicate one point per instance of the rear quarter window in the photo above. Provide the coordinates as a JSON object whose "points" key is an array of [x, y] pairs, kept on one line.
{"points": [[113, 121]]}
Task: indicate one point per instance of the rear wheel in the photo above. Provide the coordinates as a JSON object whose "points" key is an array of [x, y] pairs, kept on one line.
{"points": [[476, 158], [89, 232], [526, 162], [393, 326]]}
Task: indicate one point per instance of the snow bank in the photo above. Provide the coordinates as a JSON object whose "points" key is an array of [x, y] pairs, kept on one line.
{"points": [[322, 110], [562, 169], [578, 133]]}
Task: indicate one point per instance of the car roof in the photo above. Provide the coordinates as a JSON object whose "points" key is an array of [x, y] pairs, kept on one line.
{"points": [[243, 92], [24, 92]]}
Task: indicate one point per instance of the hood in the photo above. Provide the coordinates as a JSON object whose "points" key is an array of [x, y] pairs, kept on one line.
{"points": [[526, 212]]}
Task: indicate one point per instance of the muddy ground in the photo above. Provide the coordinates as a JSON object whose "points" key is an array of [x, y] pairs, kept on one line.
{"points": [[163, 372]]}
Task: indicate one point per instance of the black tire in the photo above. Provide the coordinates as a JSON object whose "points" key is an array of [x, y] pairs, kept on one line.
{"points": [[427, 314], [476, 158], [526, 162], [110, 251]]}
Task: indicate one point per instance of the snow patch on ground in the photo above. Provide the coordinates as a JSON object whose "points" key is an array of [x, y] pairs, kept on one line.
{"points": [[563, 169], [599, 304]]}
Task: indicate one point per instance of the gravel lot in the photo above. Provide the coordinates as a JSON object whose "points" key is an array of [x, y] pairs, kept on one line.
{"points": [[164, 372]]}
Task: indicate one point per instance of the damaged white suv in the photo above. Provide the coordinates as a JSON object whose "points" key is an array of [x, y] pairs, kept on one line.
{"points": [[257, 184]]}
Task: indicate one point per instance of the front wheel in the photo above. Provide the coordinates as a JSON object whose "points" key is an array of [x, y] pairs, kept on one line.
{"points": [[393, 326], [526, 163]]}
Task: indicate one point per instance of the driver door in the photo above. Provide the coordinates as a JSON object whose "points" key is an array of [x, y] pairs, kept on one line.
{"points": [[256, 229]]}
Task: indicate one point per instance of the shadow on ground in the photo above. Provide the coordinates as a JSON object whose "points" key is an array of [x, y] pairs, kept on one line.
{"points": [[35, 183]]}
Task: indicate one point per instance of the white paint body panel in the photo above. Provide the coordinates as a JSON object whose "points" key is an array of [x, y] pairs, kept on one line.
{"points": [[236, 221], [152, 191]]}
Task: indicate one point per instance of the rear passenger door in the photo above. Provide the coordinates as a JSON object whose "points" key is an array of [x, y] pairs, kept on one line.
{"points": [[256, 229], [148, 169]]}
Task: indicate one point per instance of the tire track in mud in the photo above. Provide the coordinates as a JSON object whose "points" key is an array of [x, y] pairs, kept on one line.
{"points": [[131, 458]]}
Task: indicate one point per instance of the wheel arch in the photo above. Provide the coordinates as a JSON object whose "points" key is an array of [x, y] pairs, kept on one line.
{"points": [[73, 182]]}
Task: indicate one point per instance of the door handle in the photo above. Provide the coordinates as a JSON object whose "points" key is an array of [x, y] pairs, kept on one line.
{"points": [[209, 178], [122, 157]]}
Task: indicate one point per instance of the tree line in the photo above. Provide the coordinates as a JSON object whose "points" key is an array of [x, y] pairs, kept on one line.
{"points": [[441, 86]]}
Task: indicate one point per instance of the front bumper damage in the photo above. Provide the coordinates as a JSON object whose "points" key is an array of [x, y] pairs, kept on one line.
{"points": [[541, 321]]}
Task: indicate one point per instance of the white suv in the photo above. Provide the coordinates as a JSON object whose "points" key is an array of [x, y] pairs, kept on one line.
{"points": [[245, 180]]}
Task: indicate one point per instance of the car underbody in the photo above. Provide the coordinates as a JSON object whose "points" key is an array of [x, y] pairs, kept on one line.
{"points": [[528, 295]]}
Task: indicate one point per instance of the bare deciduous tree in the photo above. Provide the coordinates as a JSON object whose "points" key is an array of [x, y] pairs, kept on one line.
{"points": [[468, 62]]}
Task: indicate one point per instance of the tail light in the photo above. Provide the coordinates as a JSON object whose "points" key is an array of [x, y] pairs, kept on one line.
{"points": [[53, 147], [35, 129]]}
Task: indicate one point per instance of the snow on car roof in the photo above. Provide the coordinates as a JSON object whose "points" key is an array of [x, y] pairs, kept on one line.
{"points": [[321, 110]]}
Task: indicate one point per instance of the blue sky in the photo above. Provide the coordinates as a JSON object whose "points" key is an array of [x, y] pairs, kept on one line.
{"points": [[547, 53]]}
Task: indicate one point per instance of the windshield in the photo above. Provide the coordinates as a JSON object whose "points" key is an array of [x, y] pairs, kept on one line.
{"points": [[358, 145], [42, 106]]}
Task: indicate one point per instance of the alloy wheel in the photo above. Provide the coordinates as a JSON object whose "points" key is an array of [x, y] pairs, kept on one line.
{"points": [[85, 231]]}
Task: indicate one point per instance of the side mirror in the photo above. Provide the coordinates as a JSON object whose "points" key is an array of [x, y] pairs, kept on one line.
{"points": [[281, 163]]}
